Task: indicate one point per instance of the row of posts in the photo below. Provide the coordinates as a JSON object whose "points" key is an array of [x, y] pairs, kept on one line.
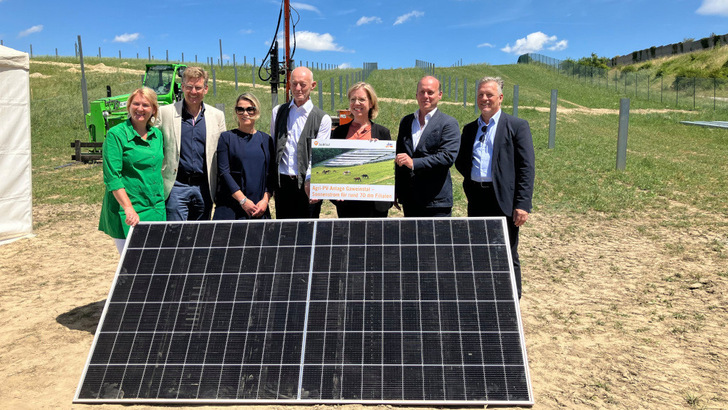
{"points": [[623, 104], [310, 64]]}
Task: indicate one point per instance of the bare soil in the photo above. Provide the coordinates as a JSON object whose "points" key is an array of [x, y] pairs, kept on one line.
{"points": [[617, 313]]}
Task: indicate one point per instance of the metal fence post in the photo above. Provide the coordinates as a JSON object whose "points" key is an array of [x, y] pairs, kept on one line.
{"points": [[622, 136], [333, 94], [252, 72], [475, 98], [465, 92], [456, 88], [235, 68], [214, 83], [341, 96], [677, 91], [449, 84], [321, 97], [515, 100], [84, 90], [552, 119], [220, 53]]}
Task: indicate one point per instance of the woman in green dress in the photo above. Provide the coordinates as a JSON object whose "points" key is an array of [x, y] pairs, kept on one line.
{"points": [[132, 162]]}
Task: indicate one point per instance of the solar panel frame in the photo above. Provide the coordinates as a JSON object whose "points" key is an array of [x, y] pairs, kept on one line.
{"points": [[406, 246]]}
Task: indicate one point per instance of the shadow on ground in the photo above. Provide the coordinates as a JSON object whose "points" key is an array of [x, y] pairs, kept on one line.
{"points": [[84, 318]]}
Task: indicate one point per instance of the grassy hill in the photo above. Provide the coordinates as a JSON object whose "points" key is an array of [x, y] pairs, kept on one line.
{"points": [[709, 63], [666, 160]]}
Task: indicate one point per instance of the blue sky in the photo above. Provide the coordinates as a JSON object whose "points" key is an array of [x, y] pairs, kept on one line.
{"points": [[391, 33]]}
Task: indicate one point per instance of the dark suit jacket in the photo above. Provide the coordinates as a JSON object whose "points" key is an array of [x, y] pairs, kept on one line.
{"points": [[513, 163], [428, 184]]}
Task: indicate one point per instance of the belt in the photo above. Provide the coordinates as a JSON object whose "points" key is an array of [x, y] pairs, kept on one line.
{"points": [[191, 179], [289, 177], [484, 185]]}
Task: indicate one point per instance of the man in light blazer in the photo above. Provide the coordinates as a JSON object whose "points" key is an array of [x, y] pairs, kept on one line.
{"points": [[497, 162], [191, 130], [427, 144]]}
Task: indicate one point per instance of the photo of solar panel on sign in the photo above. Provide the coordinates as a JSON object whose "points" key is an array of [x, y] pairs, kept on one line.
{"points": [[383, 311]]}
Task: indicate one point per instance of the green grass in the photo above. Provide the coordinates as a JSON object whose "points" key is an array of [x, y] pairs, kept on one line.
{"points": [[379, 173], [667, 163]]}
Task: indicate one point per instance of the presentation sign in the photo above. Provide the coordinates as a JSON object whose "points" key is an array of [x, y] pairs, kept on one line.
{"points": [[359, 170]]}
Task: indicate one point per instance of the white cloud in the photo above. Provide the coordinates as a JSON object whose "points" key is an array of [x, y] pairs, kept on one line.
{"points": [[561, 45], [126, 38], [535, 42], [316, 42], [226, 57], [403, 18], [304, 6], [246, 31], [344, 65], [486, 45], [366, 20], [713, 7], [34, 29]]}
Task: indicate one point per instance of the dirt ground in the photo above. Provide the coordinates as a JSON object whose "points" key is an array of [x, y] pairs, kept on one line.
{"points": [[617, 314]]}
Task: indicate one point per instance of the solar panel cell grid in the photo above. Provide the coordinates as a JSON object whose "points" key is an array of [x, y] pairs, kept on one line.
{"points": [[392, 310]]}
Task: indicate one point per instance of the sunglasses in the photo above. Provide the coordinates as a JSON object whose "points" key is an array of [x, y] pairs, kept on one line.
{"points": [[249, 110]]}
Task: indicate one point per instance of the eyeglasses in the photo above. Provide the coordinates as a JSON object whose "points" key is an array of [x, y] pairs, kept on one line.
{"points": [[249, 110], [192, 87], [358, 100]]}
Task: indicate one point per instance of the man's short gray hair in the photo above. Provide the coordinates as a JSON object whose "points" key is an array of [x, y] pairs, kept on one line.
{"points": [[497, 80]]}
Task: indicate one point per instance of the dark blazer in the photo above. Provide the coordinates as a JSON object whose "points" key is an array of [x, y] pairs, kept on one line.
{"points": [[513, 164], [379, 132], [428, 184]]}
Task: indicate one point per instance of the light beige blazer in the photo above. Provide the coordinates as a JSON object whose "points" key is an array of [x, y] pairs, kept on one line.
{"points": [[170, 122]]}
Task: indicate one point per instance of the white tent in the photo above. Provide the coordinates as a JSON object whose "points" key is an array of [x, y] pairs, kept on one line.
{"points": [[16, 213]]}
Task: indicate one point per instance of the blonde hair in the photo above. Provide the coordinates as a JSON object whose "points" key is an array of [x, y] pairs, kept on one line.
{"points": [[252, 99], [374, 110], [150, 96], [193, 73]]}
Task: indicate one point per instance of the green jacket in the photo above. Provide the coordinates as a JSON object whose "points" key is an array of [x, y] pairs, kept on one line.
{"points": [[134, 164]]}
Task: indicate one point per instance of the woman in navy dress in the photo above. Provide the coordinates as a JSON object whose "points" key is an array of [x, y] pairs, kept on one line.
{"points": [[245, 166]]}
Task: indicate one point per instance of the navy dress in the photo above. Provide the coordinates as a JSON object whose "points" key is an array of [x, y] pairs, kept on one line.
{"points": [[244, 163]]}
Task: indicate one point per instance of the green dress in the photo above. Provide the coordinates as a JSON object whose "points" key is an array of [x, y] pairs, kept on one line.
{"points": [[136, 165]]}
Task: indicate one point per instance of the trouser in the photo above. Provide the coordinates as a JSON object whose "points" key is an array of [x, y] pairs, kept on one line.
{"points": [[189, 202], [482, 202], [292, 201]]}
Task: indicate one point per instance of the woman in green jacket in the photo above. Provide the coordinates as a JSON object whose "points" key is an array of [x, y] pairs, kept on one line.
{"points": [[132, 162]]}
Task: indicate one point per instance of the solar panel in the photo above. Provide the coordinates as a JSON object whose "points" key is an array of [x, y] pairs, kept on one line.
{"points": [[410, 311]]}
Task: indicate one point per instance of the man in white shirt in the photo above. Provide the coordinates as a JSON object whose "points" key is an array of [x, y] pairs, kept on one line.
{"points": [[293, 126], [427, 144], [497, 162]]}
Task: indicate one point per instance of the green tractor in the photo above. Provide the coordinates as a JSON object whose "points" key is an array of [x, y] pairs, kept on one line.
{"points": [[164, 79]]}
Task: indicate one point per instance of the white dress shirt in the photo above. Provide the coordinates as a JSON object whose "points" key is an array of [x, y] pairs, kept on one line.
{"points": [[297, 117], [416, 130], [482, 170]]}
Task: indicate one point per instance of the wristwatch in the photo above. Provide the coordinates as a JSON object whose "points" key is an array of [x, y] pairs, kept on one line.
{"points": [[243, 201]]}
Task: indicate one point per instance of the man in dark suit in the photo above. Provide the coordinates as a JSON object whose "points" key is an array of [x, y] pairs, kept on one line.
{"points": [[427, 144], [497, 160]]}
